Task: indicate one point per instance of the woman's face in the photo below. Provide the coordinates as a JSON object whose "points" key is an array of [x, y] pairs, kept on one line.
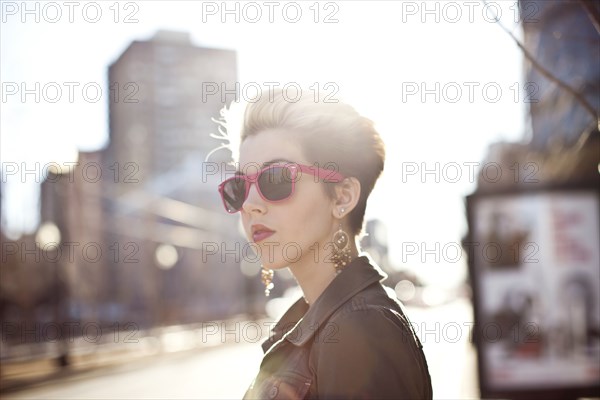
{"points": [[302, 223]]}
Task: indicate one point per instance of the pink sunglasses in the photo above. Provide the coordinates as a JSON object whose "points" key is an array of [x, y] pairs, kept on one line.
{"points": [[275, 183]]}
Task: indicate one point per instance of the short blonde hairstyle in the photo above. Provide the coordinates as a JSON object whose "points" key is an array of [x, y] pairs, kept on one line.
{"points": [[331, 135]]}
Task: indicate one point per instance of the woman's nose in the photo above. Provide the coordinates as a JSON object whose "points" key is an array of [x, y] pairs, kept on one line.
{"points": [[254, 201]]}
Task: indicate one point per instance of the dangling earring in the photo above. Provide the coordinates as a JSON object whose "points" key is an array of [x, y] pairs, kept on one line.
{"points": [[266, 276], [341, 248]]}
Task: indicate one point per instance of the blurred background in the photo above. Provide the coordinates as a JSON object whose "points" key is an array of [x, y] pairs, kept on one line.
{"points": [[123, 277]]}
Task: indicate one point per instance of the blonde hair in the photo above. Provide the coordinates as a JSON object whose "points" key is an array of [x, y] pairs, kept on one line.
{"points": [[331, 135]]}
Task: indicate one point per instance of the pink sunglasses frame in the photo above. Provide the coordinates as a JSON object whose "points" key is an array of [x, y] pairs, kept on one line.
{"points": [[294, 168]]}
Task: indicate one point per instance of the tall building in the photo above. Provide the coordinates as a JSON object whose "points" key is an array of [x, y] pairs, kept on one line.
{"points": [[157, 196], [160, 111], [562, 38], [563, 97], [135, 236]]}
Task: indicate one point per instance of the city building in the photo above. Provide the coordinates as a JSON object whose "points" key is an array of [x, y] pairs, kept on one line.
{"points": [[165, 212]]}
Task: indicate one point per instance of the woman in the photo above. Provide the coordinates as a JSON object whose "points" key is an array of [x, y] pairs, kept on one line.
{"points": [[305, 172]]}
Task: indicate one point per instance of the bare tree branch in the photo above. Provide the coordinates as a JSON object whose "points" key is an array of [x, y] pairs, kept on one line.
{"points": [[549, 75], [592, 12]]}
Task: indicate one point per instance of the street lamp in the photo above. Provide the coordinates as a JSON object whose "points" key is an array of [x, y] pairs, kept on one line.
{"points": [[166, 256], [47, 234], [48, 239]]}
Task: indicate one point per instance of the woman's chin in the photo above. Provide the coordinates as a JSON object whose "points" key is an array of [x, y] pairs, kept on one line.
{"points": [[275, 265]]}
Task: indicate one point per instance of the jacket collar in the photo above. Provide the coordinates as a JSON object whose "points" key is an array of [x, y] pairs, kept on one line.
{"points": [[357, 275]]}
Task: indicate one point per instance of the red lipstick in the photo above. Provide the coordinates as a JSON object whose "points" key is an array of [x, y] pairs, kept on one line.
{"points": [[260, 232]]}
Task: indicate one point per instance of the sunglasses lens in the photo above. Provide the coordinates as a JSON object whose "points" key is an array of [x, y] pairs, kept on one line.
{"points": [[275, 183], [234, 193]]}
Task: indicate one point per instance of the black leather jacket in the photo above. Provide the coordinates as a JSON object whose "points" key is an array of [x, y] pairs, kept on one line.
{"points": [[354, 342]]}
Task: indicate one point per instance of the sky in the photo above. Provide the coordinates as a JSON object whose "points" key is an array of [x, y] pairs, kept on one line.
{"points": [[441, 80]]}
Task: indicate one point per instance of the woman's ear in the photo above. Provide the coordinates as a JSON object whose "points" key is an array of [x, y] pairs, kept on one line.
{"points": [[347, 194]]}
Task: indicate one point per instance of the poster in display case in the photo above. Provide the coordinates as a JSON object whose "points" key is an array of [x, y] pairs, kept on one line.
{"points": [[534, 264]]}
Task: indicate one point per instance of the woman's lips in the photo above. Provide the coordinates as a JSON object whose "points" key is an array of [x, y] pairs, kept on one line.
{"points": [[260, 232], [261, 235]]}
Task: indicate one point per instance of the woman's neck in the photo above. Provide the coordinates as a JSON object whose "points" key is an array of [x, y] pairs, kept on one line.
{"points": [[314, 277]]}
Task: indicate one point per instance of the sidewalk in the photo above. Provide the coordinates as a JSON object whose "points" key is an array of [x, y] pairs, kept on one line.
{"points": [[29, 365], [451, 356], [223, 349]]}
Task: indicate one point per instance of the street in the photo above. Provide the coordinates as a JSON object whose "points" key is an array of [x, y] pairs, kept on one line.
{"points": [[225, 371]]}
